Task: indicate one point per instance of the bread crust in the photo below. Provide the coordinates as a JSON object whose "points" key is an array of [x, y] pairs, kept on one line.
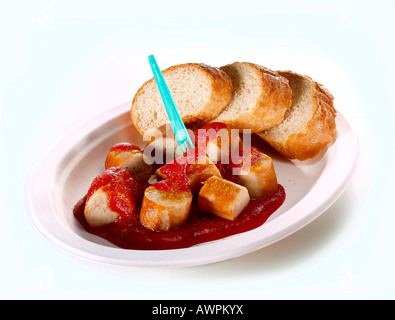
{"points": [[269, 110], [318, 131], [221, 93]]}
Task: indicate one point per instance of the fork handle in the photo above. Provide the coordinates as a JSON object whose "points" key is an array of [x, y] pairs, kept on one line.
{"points": [[171, 110], [163, 88]]}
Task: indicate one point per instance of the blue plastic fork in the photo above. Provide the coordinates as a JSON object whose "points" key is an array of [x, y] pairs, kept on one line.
{"points": [[181, 133]]}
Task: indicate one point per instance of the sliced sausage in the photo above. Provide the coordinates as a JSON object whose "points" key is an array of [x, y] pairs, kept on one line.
{"points": [[165, 206], [223, 198]]}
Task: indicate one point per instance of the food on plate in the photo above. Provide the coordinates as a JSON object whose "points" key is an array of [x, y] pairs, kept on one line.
{"points": [[165, 205], [191, 201], [199, 91], [218, 141], [200, 171], [223, 198], [309, 125], [162, 147], [222, 186], [111, 198], [291, 112], [131, 158], [260, 97], [97, 211], [255, 171], [196, 168]]}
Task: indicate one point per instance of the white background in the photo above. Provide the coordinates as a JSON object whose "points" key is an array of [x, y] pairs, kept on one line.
{"points": [[62, 62]]}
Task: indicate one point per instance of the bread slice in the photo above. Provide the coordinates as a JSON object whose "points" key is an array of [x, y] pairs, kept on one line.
{"points": [[199, 91], [309, 125], [260, 98]]}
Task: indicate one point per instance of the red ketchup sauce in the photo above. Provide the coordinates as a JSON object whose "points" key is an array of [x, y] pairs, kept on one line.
{"points": [[199, 228], [177, 171], [123, 192], [124, 146], [125, 198]]}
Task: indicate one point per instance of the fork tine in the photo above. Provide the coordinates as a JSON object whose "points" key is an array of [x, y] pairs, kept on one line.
{"points": [[183, 148], [189, 145]]}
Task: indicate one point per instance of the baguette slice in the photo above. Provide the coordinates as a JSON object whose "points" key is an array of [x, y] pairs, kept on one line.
{"points": [[260, 98], [199, 91], [309, 125]]}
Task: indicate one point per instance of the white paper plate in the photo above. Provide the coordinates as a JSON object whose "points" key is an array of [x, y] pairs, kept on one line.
{"points": [[65, 172]]}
